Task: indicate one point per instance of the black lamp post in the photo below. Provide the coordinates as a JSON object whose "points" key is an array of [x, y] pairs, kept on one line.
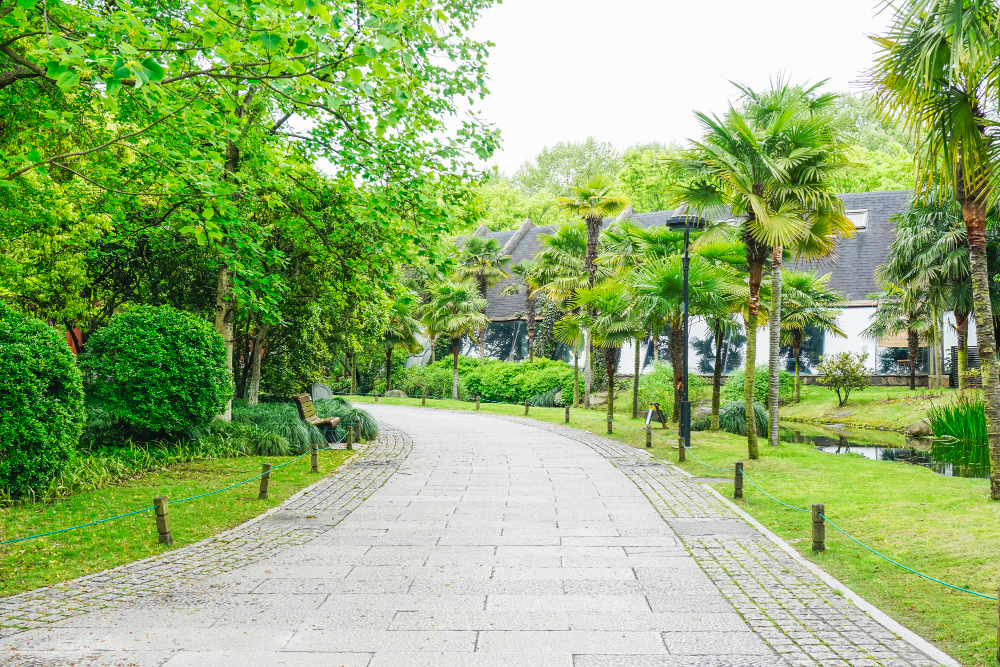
{"points": [[685, 430]]}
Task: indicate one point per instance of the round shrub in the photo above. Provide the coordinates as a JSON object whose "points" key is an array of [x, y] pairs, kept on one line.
{"points": [[41, 404], [732, 390], [159, 369]]}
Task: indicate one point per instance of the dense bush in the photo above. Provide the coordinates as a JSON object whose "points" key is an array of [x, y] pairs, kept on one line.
{"points": [[41, 404], [158, 369], [733, 389], [843, 372], [435, 379], [282, 419], [733, 418], [512, 382]]}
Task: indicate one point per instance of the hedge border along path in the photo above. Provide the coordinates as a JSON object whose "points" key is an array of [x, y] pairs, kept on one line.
{"points": [[301, 518]]}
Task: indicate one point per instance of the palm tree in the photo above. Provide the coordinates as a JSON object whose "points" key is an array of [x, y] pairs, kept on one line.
{"points": [[613, 322], [592, 201], [454, 309], [808, 302], [936, 75], [568, 330], [659, 286], [401, 331], [527, 271], [770, 171], [901, 309], [721, 325], [481, 261]]}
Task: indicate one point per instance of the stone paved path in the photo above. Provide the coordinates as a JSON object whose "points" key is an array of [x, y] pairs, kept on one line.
{"points": [[465, 540]]}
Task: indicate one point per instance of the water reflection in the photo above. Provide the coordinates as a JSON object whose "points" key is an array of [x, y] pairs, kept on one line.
{"points": [[915, 451]]}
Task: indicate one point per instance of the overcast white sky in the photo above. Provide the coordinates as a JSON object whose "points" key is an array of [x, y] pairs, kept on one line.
{"points": [[633, 71]]}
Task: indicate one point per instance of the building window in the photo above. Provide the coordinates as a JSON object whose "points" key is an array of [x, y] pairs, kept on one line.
{"points": [[859, 218]]}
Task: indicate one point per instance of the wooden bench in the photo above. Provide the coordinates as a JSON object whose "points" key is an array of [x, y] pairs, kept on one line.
{"points": [[307, 412]]}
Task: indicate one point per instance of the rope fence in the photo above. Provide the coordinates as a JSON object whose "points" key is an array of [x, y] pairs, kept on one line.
{"points": [[268, 470]]}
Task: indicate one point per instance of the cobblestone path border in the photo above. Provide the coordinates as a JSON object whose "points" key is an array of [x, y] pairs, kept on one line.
{"points": [[304, 516], [793, 609]]}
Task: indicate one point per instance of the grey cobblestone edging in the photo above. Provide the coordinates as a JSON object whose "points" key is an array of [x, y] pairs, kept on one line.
{"points": [[304, 516], [795, 610]]}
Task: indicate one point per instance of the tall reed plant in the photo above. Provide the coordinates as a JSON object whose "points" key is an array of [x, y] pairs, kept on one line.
{"points": [[960, 436]]}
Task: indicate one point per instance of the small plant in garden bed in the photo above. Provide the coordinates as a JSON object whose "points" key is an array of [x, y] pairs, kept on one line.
{"points": [[843, 372]]}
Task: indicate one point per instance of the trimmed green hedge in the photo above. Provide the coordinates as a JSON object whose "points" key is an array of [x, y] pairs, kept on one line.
{"points": [[498, 381], [41, 404], [158, 368], [733, 389]]}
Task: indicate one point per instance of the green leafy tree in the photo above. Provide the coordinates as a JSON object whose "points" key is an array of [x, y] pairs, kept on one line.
{"points": [[454, 310], [808, 302], [935, 75], [481, 261], [643, 179], [843, 373], [556, 168], [503, 206]]}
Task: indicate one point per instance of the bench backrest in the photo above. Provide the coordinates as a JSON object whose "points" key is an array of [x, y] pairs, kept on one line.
{"points": [[305, 404]]}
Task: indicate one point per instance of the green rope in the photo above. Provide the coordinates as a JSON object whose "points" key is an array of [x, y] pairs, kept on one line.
{"points": [[797, 509], [82, 525]]}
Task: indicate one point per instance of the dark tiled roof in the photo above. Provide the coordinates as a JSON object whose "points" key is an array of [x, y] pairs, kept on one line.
{"points": [[854, 261], [852, 265]]}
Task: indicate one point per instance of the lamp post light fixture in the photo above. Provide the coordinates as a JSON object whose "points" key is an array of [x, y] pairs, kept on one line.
{"points": [[685, 220]]}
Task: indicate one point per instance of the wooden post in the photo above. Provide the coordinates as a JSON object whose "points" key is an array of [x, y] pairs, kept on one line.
{"points": [[567, 415], [649, 436], [357, 432], [998, 625], [375, 394], [264, 481], [525, 406], [423, 398], [477, 401], [819, 527], [609, 424], [350, 436], [738, 481], [314, 458], [163, 531]]}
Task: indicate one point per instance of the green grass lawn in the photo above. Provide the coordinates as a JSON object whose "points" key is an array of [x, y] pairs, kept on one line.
{"points": [[40, 562], [945, 527], [876, 407]]}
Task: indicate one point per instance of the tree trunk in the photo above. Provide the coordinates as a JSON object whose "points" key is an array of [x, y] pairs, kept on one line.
{"points": [[610, 366], [974, 213], [576, 377], [587, 370], [774, 370], [941, 373], [529, 309], [256, 359], [913, 343], [635, 382], [456, 347], [796, 350], [717, 377], [756, 253], [676, 346], [225, 317], [354, 372], [962, 328], [388, 367], [593, 234]]}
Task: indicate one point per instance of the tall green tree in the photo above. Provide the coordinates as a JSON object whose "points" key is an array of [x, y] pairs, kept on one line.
{"points": [[808, 302], [527, 272], [481, 261], [935, 75], [455, 310], [556, 168], [401, 331]]}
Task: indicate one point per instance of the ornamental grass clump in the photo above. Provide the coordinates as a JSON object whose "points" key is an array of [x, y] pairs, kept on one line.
{"points": [[158, 369], [960, 435], [41, 404], [733, 418]]}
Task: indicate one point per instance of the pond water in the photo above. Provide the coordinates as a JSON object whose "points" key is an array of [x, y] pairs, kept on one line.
{"points": [[886, 446]]}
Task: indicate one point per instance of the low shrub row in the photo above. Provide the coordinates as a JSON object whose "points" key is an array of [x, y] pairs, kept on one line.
{"points": [[732, 390], [499, 381]]}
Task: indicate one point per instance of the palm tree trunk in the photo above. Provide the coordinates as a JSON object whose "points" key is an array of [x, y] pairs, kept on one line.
{"points": [[717, 377], [797, 345], [913, 343], [610, 366], [676, 347], [593, 234], [576, 376], [529, 309], [941, 373], [587, 370], [456, 346], [354, 372], [756, 254], [962, 328], [775, 330], [388, 367], [974, 213], [635, 382]]}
